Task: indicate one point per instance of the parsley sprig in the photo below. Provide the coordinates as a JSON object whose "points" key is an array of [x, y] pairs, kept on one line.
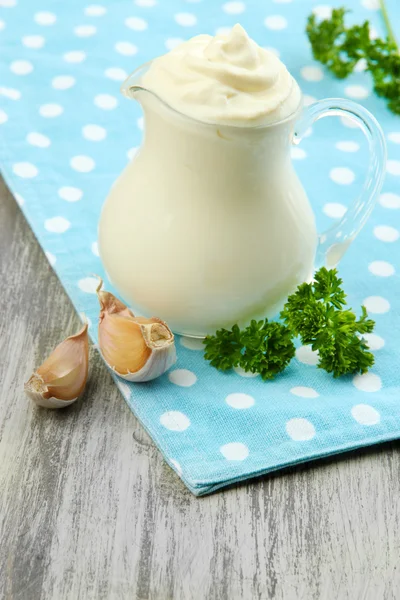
{"points": [[315, 313], [340, 49]]}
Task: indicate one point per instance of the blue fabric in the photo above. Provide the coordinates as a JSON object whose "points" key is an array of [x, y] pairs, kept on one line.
{"points": [[212, 428]]}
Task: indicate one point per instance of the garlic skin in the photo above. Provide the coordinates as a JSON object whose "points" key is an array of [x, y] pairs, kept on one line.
{"points": [[61, 379], [135, 348]]}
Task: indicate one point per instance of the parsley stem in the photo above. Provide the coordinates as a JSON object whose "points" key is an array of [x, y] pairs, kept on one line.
{"points": [[389, 28]]}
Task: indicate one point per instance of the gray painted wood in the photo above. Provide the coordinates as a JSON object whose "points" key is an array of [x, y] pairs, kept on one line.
{"points": [[90, 511]]}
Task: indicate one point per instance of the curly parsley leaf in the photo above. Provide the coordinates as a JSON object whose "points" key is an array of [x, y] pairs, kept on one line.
{"points": [[223, 349], [268, 348], [263, 347]]}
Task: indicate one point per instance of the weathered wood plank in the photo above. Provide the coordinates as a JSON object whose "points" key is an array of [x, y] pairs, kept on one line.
{"points": [[90, 511]]}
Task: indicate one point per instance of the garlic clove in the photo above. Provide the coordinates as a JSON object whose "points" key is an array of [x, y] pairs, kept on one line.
{"points": [[136, 348], [61, 379]]}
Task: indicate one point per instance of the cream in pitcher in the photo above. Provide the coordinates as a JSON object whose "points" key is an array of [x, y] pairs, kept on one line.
{"points": [[209, 225]]}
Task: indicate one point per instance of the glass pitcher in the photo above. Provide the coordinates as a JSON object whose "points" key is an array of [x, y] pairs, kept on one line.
{"points": [[209, 225]]}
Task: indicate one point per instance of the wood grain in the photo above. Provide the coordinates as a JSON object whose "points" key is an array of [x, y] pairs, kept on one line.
{"points": [[90, 511]]}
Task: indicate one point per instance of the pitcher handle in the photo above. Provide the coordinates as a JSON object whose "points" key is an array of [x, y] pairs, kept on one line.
{"points": [[333, 243]]}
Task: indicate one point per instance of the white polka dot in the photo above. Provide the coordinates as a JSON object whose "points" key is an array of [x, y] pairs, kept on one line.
{"points": [[83, 164], [172, 43], [8, 3], [306, 355], [223, 30], [185, 19], [136, 23], [3, 117], [94, 133], [390, 200], [381, 268], [146, 3], [38, 139], [361, 66], [300, 430], [19, 199], [358, 92], [312, 73], [10, 93], [45, 18], [57, 224], [394, 137], [308, 100], [275, 22], [63, 82], [365, 414], [376, 305], [386, 233], [348, 146], [75, 56], [105, 101], [25, 170], [51, 258], [21, 67], [297, 153], [182, 377], [70, 194], [33, 41], [234, 8], [369, 382], [85, 30], [192, 343], [85, 319], [375, 342], [342, 175], [174, 420], [274, 51], [373, 34], [126, 48], [323, 11], [243, 373], [95, 248], [124, 388], [95, 10], [140, 123], [393, 167], [335, 210], [308, 132], [282, 1], [132, 152], [116, 74], [234, 451], [88, 285], [2, 25], [239, 401], [348, 122], [51, 110], [370, 4], [304, 392], [176, 465]]}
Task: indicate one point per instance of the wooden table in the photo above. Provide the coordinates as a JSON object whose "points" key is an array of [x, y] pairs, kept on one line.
{"points": [[89, 509]]}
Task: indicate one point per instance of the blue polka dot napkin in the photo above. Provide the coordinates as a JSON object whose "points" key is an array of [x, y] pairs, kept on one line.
{"points": [[66, 133]]}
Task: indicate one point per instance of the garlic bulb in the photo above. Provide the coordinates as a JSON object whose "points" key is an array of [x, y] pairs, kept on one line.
{"points": [[62, 377], [136, 348]]}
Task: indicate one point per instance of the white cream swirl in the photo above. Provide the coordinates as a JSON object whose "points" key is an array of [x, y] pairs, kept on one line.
{"points": [[226, 79]]}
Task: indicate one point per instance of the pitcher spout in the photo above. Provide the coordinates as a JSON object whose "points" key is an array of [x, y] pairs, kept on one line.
{"points": [[133, 83]]}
